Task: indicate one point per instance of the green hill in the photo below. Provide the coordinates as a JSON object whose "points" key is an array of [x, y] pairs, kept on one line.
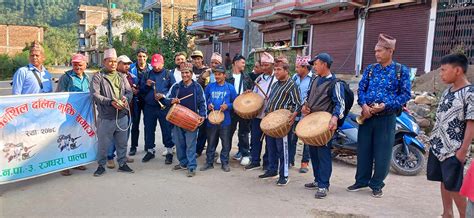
{"points": [[55, 13]]}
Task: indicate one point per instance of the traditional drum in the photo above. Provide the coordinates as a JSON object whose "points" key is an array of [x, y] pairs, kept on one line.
{"points": [[276, 124], [248, 105], [314, 130], [183, 117], [216, 117]]}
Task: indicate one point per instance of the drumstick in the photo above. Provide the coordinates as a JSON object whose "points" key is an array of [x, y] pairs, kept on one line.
{"points": [[187, 96], [260, 88], [261, 138]]}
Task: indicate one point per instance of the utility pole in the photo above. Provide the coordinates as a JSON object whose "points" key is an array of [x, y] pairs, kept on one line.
{"points": [[109, 23]]}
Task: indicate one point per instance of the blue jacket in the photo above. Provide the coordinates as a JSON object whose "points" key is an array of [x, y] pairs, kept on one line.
{"points": [[163, 82], [217, 95], [136, 76], [198, 95]]}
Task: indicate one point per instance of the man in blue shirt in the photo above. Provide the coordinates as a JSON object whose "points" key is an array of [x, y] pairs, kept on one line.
{"points": [[219, 96], [302, 79], [383, 90], [33, 78]]}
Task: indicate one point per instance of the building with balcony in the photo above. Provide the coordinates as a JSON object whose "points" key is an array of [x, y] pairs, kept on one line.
{"points": [[221, 26], [346, 29], [164, 14]]}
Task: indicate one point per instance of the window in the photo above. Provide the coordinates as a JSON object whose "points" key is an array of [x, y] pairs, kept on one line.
{"points": [[302, 35]]}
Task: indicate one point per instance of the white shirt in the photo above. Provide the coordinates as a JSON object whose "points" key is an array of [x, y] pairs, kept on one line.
{"points": [[265, 82], [237, 78]]}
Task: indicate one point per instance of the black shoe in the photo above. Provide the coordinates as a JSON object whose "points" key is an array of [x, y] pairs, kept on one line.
{"points": [[377, 193], [179, 167], [207, 167], [225, 168], [356, 187], [321, 193], [311, 185], [100, 171], [252, 166], [169, 159], [268, 175], [125, 168], [148, 157], [133, 151], [191, 172], [282, 181]]}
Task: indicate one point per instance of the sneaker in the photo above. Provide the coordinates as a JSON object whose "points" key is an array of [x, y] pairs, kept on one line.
{"points": [[245, 161], [206, 167], [225, 168], [169, 159], [282, 181], [125, 168], [165, 152], [133, 151], [148, 157], [304, 168], [237, 156], [268, 175], [130, 160], [66, 172], [356, 187], [377, 193], [321, 193], [311, 185], [100, 171], [252, 166], [110, 164], [179, 167], [218, 160], [191, 172]]}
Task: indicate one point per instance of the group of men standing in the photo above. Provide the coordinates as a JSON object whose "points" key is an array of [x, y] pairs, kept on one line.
{"points": [[123, 90]]}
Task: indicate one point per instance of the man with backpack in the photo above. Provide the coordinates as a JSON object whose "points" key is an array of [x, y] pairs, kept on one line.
{"points": [[326, 93], [154, 86], [383, 90]]}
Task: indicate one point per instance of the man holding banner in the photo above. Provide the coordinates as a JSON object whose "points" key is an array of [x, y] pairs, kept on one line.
{"points": [[111, 93]]}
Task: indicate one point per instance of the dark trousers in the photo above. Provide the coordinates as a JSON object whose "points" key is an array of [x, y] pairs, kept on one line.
{"points": [[256, 143], [292, 141], [243, 133], [322, 164], [214, 133], [306, 156], [277, 156], [202, 137], [138, 107], [152, 115], [375, 141]]}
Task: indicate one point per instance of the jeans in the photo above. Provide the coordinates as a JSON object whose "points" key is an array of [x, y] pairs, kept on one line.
{"points": [[243, 133], [292, 141], [202, 137], [306, 156], [470, 209], [138, 108], [214, 133], [108, 133], [152, 115], [375, 141], [186, 147], [322, 164], [111, 152], [277, 155], [256, 146]]}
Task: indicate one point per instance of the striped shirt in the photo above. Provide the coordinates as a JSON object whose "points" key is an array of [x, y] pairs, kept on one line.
{"points": [[284, 95]]}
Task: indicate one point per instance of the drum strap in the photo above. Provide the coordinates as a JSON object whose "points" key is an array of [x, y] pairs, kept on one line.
{"points": [[285, 155]]}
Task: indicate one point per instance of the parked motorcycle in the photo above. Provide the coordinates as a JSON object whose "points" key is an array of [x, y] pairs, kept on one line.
{"points": [[408, 154]]}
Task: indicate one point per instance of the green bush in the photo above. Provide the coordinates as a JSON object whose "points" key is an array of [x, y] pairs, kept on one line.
{"points": [[9, 65]]}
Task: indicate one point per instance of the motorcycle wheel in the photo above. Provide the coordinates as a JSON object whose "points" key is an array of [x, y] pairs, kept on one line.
{"points": [[407, 165]]}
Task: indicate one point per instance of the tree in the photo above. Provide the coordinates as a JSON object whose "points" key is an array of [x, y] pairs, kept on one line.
{"points": [[61, 42]]}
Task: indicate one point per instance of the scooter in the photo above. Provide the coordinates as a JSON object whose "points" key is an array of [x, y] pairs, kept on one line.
{"points": [[408, 153]]}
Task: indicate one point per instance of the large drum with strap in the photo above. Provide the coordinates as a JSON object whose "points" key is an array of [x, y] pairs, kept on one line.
{"points": [[248, 105], [276, 124], [314, 129], [183, 117]]}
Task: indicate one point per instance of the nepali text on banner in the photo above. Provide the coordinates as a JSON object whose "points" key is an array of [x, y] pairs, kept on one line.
{"points": [[45, 133]]}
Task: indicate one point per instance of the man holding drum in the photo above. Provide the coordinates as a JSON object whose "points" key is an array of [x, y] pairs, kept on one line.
{"points": [[265, 80], [154, 86], [383, 90], [242, 82], [322, 98], [284, 95], [219, 96], [192, 97]]}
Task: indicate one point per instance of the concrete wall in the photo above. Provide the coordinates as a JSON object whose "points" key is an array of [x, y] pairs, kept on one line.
{"points": [[14, 38]]}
